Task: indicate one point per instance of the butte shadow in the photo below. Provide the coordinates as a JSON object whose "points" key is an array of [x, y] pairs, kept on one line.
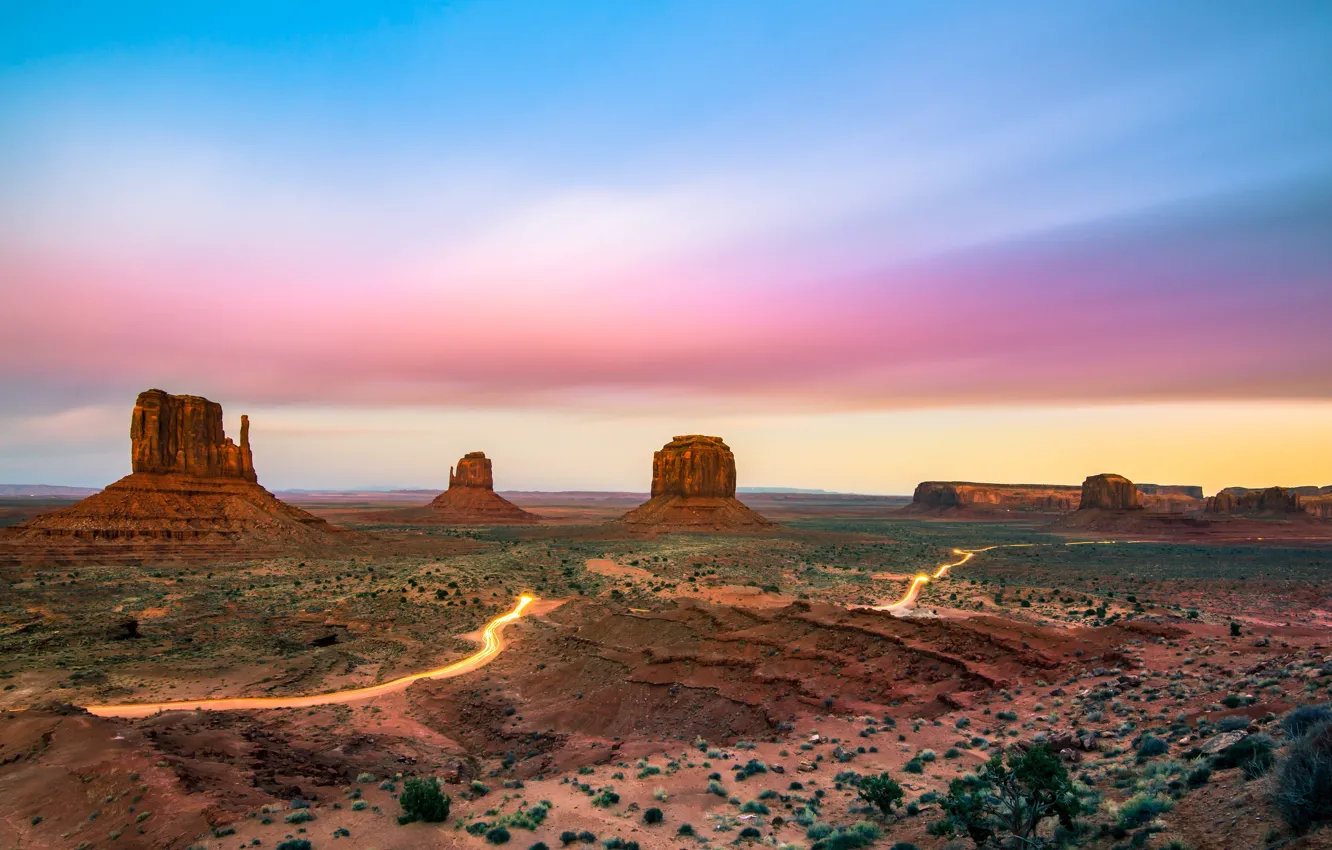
{"points": [[192, 494]]}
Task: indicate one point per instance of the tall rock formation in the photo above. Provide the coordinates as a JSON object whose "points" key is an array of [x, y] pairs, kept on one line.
{"points": [[183, 434], [192, 493], [1109, 493], [471, 499], [693, 488], [474, 470]]}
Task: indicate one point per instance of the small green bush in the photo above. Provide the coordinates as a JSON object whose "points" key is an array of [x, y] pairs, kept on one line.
{"points": [[299, 816], [294, 844], [422, 800], [653, 815], [497, 835]]}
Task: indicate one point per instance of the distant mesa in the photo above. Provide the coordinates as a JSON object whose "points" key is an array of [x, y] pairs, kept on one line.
{"points": [[968, 497], [693, 489], [1108, 492], [471, 498], [1272, 501], [947, 496], [192, 491], [1190, 491]]}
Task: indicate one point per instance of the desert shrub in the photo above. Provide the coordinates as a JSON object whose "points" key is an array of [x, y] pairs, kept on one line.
{"points": [[952, 753], [715, 787], [568, 836], [914, 766], [497, 835], [754, 807], [653, 815], [1010, 800], [817, 831], [587, 837], [300, 816], [540, 845], [1233, 724], [1232, 700], [750, 833], [862, 834], [365, 777], [605, 798], [904, 845], [881, 792], [1199, 775], [1142, 808], [1253, 754], [1302, 719], [1303, 788], [685, 829], [294, 844], [479, 788], [1152, 746], [926, 755], [421, 799]]}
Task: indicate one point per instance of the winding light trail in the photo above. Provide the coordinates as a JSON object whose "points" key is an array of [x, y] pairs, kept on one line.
{"points": [[492, 645], [908, 600]]}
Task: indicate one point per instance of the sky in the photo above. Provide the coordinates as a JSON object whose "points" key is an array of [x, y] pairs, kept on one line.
{"points": [[867, 243]]}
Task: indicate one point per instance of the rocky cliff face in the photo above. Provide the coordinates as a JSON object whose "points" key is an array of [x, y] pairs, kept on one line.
{"points": [[694, 465], [1273, 500], [941, 495], [1109, 492], [693, 488], [183, 434], [474, 470]]}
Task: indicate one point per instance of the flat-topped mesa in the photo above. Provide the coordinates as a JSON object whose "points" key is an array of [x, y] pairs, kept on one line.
{"points": [[474, 470], [693, 488], [945, 495], [1109, 493], [1273, 500], [183, 434], [694, 465], [1191, 491]]}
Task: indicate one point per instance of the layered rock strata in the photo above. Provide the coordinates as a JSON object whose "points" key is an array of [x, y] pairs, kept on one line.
{"points": [[693, 488]]}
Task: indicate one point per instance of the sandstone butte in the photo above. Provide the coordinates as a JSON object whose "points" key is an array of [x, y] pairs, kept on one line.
{"points": [[1109, 492], [471, 498], [693, 489], [191, 491]]}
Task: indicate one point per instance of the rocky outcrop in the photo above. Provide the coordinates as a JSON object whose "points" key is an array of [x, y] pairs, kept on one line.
{"points": [[193, 493], [694, 465], [1109, 492], [474, 470], [183, 434], [693, 488], [471, 499], [942, 496], [1273, 500]]}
